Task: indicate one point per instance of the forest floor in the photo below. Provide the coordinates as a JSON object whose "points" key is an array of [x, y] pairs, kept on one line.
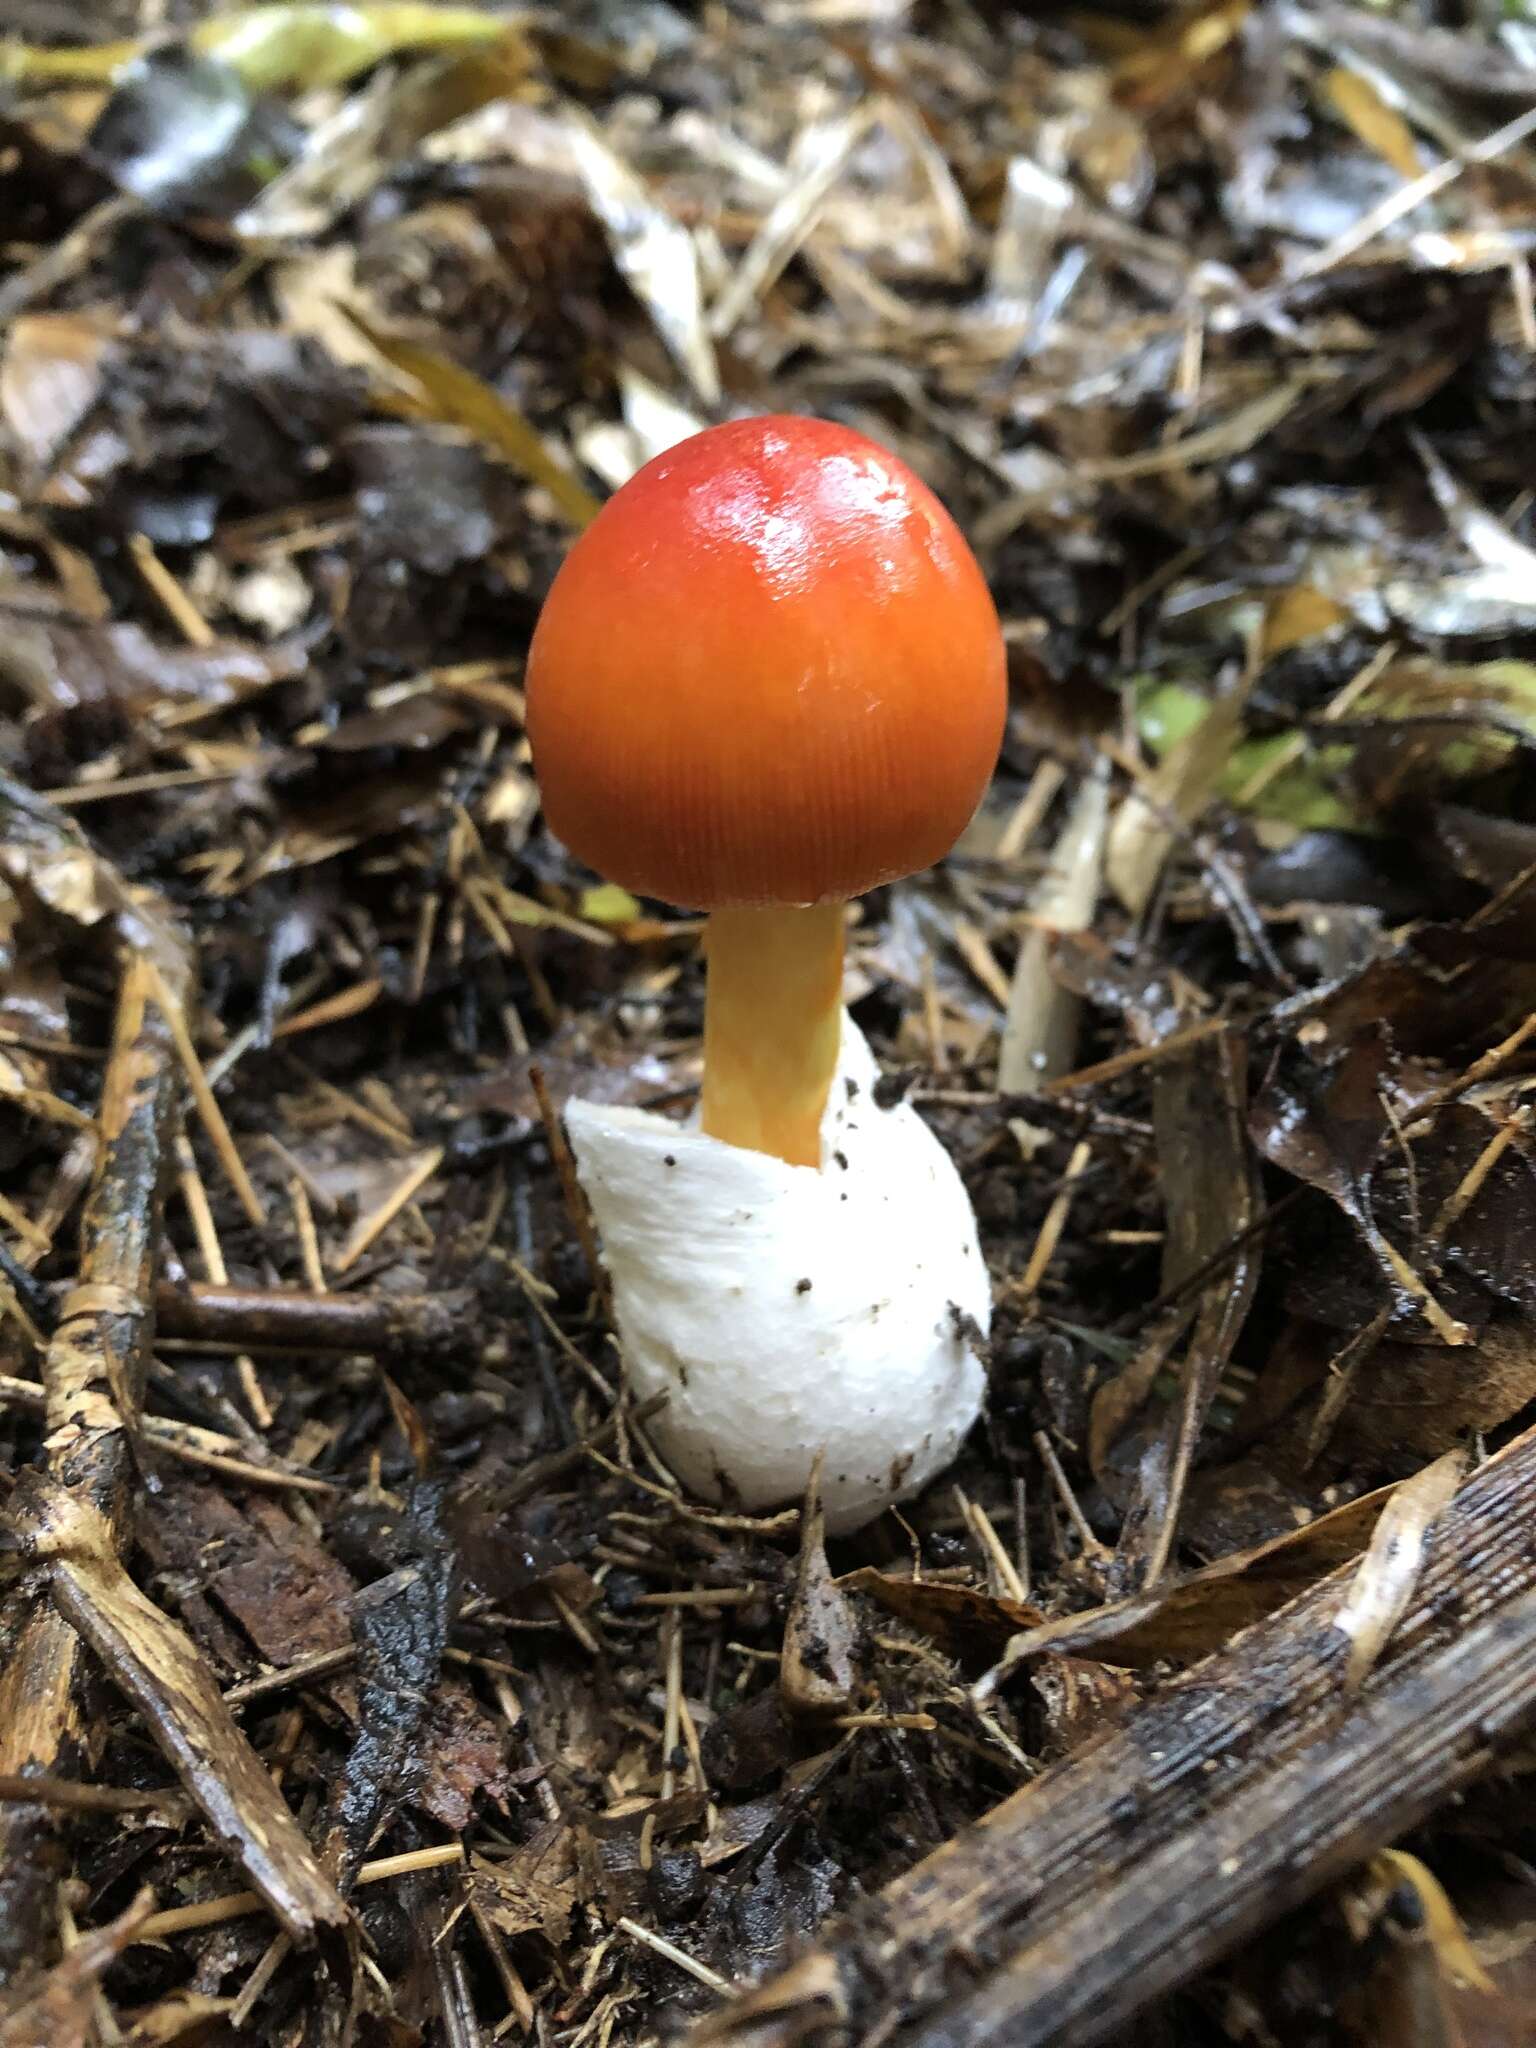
{"points": [[363, 1671]]}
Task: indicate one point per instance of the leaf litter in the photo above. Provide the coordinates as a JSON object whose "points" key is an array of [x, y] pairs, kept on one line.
{"points": [[322, 329]]}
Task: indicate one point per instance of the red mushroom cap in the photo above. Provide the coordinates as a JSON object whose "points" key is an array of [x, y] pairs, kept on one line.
{"points": [[769, 672]]}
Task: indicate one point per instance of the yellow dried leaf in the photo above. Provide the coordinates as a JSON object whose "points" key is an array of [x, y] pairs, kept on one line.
{"points": [[1394, 1868], [1366, 114], [290, 43], [608, 904], [316, 42], [447, 392], [1298, 614]]}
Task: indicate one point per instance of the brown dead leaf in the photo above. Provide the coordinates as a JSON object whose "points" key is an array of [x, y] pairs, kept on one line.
{"points": [[816, 1671], [1079, 1699], [1414, 1400], [284, 1587], [1330, 1122], [463, 1755], [535, 1890], [1203, 1612], [1212, 1193], [967, 1625], [49, 380]]}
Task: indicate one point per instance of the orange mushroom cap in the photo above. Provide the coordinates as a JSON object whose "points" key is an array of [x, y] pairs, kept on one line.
{"points": [[769, 672]]}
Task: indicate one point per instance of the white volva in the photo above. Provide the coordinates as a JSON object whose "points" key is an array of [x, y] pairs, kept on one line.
{"points": [[785, 1309]]}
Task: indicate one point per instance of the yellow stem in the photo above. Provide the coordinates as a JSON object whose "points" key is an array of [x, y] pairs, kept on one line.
{"points": [[772, 1024]]}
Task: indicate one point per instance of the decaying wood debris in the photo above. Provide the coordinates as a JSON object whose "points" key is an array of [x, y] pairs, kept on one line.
{"points": [[1246, 1786], [69, 1522], [365, 1674]]}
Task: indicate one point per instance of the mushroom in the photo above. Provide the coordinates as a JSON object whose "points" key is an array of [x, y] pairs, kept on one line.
{"points": [[769, 677]]}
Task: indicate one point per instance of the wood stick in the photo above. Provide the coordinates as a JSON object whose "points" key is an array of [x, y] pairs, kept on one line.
{"points": [[89, 1798], [290, 1319], [1226, 1800]]}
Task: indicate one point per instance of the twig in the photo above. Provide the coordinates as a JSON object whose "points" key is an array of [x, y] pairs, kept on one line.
{"points": [[187, 1441], [511, 1980], [236, 1905], [1136, 1056], [660, 1946], [1040, 1033], [377, 1221], [1044, 1250], [168, 593], [701, 1596], [171, 1006], [288, 1319], [304, 1671], [199, 1210], [1092, 1547], [1414, 193], [78, 1798]]}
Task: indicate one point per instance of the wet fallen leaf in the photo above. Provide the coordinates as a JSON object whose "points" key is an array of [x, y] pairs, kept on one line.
{"points": [[1189, 1619], [1212, 1194], [181, 129], [1414, 1400]]}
